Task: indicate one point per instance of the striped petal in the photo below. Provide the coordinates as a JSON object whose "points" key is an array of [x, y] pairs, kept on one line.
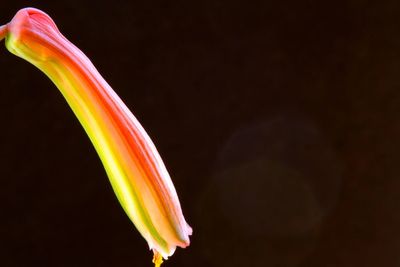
{"points": [[133, 165]]}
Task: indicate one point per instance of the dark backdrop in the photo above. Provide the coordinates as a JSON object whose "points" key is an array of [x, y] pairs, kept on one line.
{"points": [[278, 121]]}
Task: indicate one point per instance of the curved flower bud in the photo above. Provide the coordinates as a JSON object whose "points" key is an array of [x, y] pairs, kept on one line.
{"points": [[134, 167]]}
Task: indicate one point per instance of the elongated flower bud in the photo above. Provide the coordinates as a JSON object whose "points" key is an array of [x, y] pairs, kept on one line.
{"points": [[133, 165]]}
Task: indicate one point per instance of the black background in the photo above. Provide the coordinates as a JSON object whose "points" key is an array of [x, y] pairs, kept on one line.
{"points": [[278, 121]]}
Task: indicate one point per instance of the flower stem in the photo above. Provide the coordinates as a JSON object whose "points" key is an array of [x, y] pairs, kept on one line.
{"points": [[157, 258]]}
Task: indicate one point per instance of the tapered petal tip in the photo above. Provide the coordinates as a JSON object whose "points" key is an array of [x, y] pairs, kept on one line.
{"points": [[189, 230], [31, 32], [3, 31], [185, 241]]}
